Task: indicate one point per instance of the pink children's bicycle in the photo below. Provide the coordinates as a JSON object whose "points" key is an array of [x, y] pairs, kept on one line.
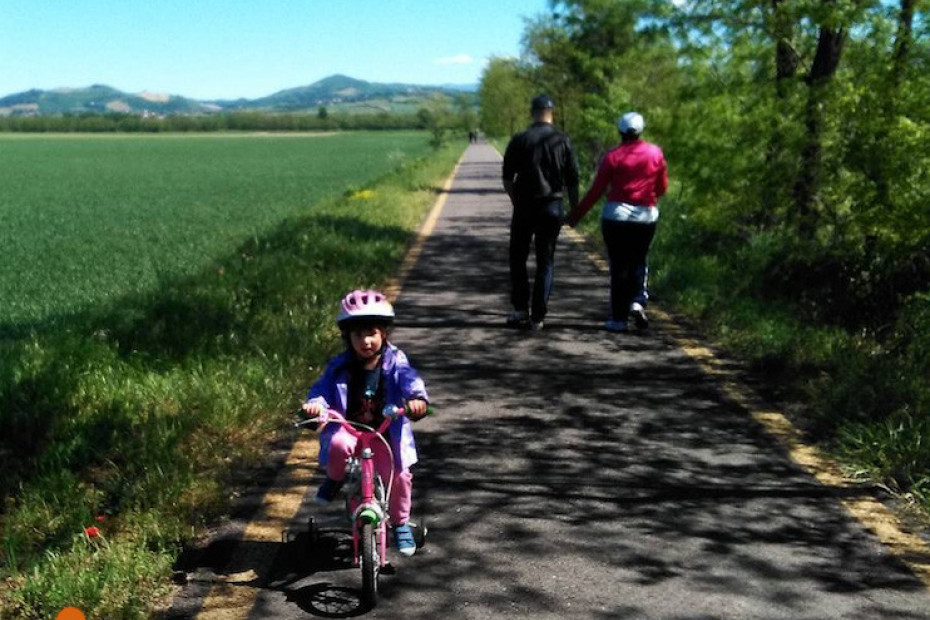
{"points": [[366, 500]]}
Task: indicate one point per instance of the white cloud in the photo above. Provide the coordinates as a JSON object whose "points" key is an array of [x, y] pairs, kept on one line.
{"points": [[460, 59]]}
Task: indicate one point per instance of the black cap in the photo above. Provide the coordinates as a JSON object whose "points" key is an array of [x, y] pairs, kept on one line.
{"points": [[541, 102]]}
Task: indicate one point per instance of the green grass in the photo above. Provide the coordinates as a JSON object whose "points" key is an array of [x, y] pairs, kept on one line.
{"points": [[157, 207], [862, 396], [142, 410]]}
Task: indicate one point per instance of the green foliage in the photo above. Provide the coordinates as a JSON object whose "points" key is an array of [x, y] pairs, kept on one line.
{"points": [[894, 449], [437, 118], [505, 94], [143, 411], [107, 580]]}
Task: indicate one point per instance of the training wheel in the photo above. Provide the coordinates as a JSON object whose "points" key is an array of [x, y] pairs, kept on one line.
{"points": [[313, 533], [419, 533]]}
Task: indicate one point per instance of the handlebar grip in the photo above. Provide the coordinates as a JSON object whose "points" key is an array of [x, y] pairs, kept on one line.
{"points": [[311, 423]]}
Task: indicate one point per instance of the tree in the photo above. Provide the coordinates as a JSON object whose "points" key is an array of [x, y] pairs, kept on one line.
{"points": [[833, 19], [598, 59], [504, 96]]}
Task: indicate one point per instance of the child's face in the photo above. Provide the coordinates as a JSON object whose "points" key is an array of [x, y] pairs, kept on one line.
{"points": [[366, 341]]}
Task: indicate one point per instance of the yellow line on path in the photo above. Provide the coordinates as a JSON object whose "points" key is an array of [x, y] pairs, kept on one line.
{"points": [[874, 515], [232, 597]]}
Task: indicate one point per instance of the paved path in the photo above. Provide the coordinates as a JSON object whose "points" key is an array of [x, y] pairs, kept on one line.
{"points": [[579, 474]]}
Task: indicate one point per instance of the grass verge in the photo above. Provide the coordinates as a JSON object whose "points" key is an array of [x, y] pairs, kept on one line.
{"points": [[124, 429], [863, 396]]}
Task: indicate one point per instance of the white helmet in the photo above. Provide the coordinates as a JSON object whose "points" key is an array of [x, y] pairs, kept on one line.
{"points": [[631, 122]]}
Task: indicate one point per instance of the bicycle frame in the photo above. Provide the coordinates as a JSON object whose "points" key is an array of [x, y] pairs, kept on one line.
{"points": [[368, 505]]}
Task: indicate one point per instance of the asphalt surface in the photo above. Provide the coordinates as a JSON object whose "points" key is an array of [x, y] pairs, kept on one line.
{"points": [[573, 473]]}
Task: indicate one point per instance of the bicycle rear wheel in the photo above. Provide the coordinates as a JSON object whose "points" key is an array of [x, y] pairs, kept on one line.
{"points": [[370, 564]]}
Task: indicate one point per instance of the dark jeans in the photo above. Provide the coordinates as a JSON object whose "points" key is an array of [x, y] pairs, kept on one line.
{"points": [[539, 223], [627, 245]]}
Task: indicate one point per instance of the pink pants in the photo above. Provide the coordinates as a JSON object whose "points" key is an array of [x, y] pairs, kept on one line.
{"points": [[341, 447]]}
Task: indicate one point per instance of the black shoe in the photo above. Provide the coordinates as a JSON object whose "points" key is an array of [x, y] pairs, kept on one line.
{"points": [[518, 318]]}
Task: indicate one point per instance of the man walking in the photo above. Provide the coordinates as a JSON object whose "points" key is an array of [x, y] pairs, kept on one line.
{"points": [[539, 167]]}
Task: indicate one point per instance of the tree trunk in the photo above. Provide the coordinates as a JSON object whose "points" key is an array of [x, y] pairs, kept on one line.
{"points": [[902, 46], [777, 174], [878, 168], [807, 187], [786, 59]]}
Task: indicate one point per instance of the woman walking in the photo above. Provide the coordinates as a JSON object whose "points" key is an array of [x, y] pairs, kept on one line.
{"points": [[635, 176]]}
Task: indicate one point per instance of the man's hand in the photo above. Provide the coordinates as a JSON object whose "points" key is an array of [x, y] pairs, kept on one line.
{"points": [[508, 187], [416, 409]]}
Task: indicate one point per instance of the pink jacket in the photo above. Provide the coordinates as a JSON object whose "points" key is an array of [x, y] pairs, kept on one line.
{"points": [[636, 174]]}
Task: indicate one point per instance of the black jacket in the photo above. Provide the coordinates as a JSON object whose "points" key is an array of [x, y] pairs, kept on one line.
{"points": [[541, 163]]}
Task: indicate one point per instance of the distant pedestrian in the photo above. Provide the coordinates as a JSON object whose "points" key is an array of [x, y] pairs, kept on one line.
{"points": [[539, 168], [637, 176]]}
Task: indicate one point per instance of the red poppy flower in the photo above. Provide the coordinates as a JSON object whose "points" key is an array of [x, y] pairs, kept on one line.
{"points": [[92, 532]]}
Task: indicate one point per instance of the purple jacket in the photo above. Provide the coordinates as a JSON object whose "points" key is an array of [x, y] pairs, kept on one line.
{"points": [[401, 383]]}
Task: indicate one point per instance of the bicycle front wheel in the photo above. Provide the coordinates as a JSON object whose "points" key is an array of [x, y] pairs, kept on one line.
{"points": [[371, 565]]}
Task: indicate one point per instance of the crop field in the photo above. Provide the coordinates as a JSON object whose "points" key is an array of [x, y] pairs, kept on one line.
{"points": [[87, 221]]}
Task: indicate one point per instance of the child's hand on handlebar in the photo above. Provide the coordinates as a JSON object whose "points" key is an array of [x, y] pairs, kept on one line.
{"points": [[416, 409], [312, 409]]}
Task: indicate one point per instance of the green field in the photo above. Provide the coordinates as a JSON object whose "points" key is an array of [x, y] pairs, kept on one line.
{"points": [[87, 221]]}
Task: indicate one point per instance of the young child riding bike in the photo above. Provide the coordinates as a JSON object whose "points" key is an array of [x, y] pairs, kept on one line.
{"points": [[358, 383]]}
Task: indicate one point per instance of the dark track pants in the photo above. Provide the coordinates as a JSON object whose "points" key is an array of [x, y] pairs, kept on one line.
{"points": [[539, 224], [627, 246]]}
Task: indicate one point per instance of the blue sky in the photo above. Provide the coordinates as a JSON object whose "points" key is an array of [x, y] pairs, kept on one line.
{"points": [[223, 49]]}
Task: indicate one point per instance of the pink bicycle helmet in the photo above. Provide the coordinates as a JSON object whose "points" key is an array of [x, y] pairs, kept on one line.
{"points": [[360, 305]]}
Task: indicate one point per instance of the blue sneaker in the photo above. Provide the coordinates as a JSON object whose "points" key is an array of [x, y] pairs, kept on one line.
{"points": [[327, 491], [404, 541]]}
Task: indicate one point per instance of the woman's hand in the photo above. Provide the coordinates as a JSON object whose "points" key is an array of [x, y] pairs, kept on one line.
{"points": [[416, 409]]}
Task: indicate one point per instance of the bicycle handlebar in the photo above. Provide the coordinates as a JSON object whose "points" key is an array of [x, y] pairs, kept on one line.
{"points": [[352, 426]]}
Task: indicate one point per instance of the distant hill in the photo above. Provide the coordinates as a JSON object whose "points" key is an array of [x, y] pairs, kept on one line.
{"points": [[342, 89], [340, 92], [97, 98]]}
